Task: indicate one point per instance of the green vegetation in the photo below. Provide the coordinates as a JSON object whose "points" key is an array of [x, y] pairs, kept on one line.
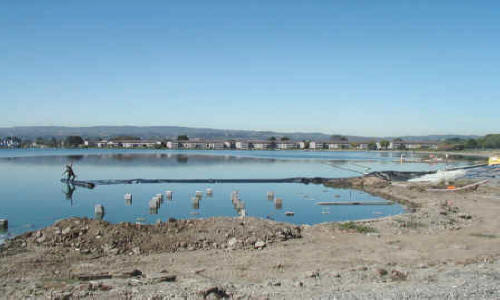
{"points": [[183, 137], [73, 141], [351, 226], [337, 137], [490, 141], [384, 144], [372, 146], [285, 138], [125, 137]]}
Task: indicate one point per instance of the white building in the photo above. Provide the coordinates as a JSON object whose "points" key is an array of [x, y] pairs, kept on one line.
{"points": [[286, 145], [260, 145], [315, 145], [241, 145]]}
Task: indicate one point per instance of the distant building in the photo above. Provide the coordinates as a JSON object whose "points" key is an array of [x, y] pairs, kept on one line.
{"points": [[362, 146], [138, 143], [315, 145], [259, 145], [413, 145], [286, 145], [241, 145], [337, 145], [88, 143], [215, 145], [10, 142], [173, 144]]}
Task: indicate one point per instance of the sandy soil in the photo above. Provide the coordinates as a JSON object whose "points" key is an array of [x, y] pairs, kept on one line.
{"points": [[446, 246]]}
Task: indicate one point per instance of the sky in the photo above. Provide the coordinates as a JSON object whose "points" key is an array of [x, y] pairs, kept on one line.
{"points": [[370, 68]]}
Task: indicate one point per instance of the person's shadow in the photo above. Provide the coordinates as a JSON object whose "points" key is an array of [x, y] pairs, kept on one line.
{"points": [[68, 192]]}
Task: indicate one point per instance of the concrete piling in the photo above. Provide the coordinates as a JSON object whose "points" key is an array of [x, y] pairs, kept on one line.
{"points": [[4, 224], [195, 201], [98, 211], [278, 203], [127, 196], [160, 197], [169, 195], [209, 192], [270, 195]]}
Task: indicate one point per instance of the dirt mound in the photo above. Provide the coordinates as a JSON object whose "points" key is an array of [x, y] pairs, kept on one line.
{"points": [[89, 236], [358, 182]]}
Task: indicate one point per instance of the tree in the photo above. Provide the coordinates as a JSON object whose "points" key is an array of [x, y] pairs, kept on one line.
{"points": [[125, 137], [398, 139], [491, 141], [471, 144], [272, 138], [183, 138], [285, 138], [73, 141], [372, 146], [384, 144], [337, 137]]}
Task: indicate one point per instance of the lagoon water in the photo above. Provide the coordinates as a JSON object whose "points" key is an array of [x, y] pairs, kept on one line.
{"points": [[31, 195]]}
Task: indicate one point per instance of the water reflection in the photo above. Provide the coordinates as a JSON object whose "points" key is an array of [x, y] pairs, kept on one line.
{"points": [[68, 191]]}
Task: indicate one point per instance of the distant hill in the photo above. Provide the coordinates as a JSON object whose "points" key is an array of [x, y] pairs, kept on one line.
{"points": [[32, 132], [435, 137]]}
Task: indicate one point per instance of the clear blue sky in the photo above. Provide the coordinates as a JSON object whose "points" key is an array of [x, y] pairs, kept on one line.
{"points": [[350, 67]]}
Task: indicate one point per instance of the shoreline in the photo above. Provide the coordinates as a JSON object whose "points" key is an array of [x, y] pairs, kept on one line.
{"points": [[444, 234]]}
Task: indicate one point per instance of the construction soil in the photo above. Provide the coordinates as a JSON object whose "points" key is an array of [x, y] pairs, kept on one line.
{"points": [[446, 246]]}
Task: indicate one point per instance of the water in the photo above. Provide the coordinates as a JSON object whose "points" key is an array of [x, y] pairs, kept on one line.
{"points": [[31, 196]]}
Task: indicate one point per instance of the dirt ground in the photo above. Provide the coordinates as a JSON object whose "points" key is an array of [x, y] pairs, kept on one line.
{"points": [[446, 247]]}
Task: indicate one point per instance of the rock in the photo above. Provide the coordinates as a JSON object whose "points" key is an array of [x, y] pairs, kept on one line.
{"points": [[312, 274], [217, 291], [66, 230], [232, 242], [128, 274], [381, 271], [274, 283], [41, 239], [97, 276], [259, 244], [465, 216], [398, 275], [159, 277], [251, 240]]}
